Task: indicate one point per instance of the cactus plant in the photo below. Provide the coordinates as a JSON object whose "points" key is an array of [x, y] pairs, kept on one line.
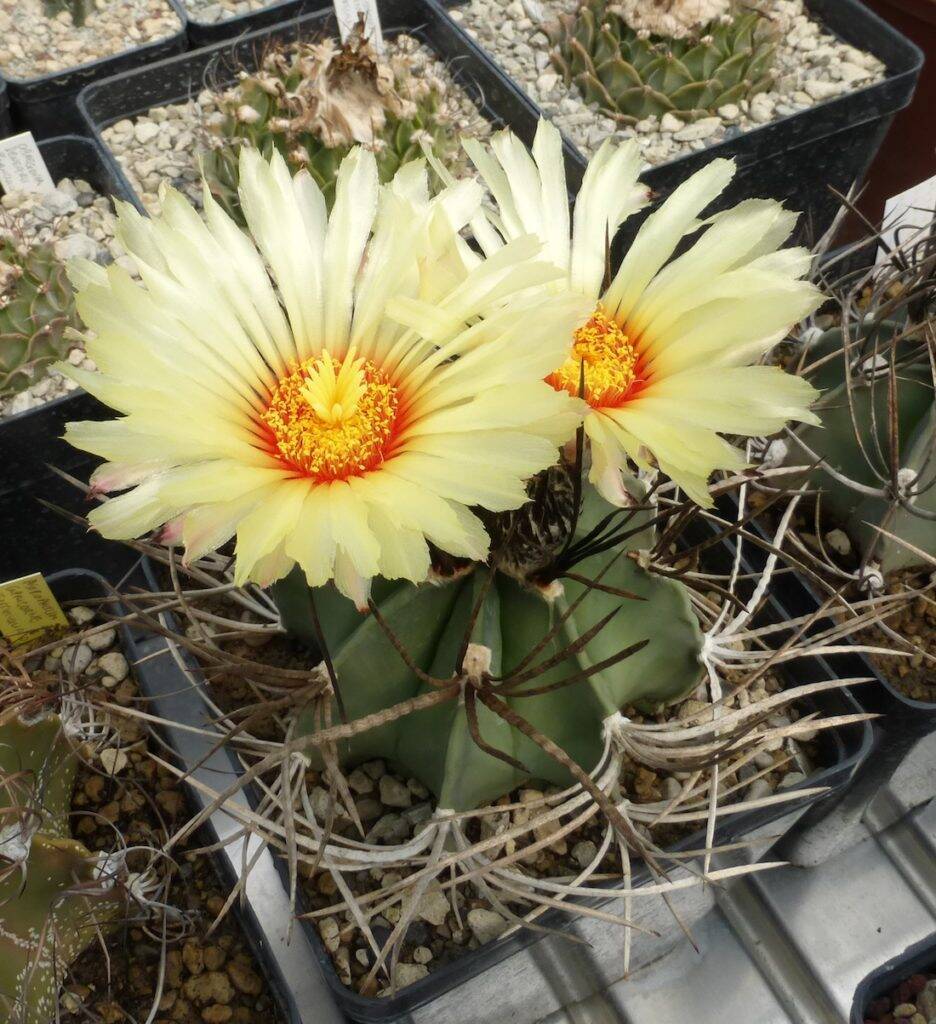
{"points": [[435, 745], [633, 74], [863, 401], [78, 9], [36, 309], [314, 101], [50, 885]]}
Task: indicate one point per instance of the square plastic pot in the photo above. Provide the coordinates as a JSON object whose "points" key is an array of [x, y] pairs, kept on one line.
{"points": [[177, 79], [797, 159], [35, 537], [46, 104], [521, 969]]}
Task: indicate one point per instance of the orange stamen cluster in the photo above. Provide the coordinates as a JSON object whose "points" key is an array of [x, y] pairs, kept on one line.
{"points": [[610, 360], [333, 419]]}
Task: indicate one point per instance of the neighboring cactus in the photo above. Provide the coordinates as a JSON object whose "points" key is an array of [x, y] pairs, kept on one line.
{"points": [[37, 307], [429, 621], [51, 889], [314, 101], [632, 74], [78, 9], [864, 457]]}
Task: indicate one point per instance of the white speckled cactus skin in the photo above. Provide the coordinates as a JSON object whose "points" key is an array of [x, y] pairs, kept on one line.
{"points": [[44, 920]]}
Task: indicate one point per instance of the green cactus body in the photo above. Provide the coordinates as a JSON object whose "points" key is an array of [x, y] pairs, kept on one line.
{"points": [[435, 745], [44, 755], [37, 307], [78, 9], [313, 106], [836, 442], [45, 920], [46, 923], [632, 76]]}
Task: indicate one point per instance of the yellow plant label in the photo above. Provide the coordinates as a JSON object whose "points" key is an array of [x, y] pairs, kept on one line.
{"points": [[28, 610]]}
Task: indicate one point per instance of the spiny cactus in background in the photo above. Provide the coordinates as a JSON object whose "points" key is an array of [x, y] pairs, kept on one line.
{"points": [[439, 745], [78, 9], [315, 101], [632, 73], [856, 438], [37, 307], [53, 898]]}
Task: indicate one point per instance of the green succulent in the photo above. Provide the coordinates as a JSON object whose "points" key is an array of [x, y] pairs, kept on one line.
{"points": [[37, 307], [78, 9], [313, 102], [863, 454], [436, 745], [51, 907], [633, 75]]}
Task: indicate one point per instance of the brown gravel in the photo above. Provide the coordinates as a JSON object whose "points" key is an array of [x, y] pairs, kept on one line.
{"points": [[913, 1001]]}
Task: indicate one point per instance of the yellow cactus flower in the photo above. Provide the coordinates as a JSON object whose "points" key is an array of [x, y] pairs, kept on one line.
{"points": [[269, 393], [664, 356]]}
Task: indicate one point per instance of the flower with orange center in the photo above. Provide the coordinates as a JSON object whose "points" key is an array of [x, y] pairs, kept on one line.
{"points": [[665, 354], [604, 364], [330, 420], [277, 387]]}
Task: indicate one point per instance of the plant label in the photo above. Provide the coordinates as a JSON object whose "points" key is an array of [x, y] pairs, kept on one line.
{"points": [[349, 13], [22, 168], [907, 216], [29, 611]]}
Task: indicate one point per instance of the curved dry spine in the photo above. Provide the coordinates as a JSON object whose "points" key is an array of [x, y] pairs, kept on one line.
{"points": [[708, 748]]}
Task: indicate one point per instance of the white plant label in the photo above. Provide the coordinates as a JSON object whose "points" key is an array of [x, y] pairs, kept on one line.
{"points": [[349, 13], [907, 215], [22, 168]]}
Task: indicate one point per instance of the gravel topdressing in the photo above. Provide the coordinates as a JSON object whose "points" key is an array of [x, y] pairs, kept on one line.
{"points": [[811, 66], [33, 44]]}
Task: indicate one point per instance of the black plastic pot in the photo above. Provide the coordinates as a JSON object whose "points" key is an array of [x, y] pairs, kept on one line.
{"points": [[177, 79], [35, 538], [46, 105], [6, 122], [169, 688], [797, 159], [918, 958]]}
